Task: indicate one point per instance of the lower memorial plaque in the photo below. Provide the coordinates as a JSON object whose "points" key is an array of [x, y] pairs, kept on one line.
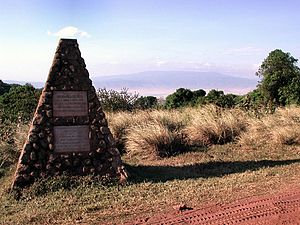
{"points": [[71, 139]]}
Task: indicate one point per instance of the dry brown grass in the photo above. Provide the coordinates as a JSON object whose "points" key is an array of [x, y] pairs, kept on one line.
{"points": [[164, 133], [280, 128], [119, 124], [153, 139], [147, 133], [212, 125]]}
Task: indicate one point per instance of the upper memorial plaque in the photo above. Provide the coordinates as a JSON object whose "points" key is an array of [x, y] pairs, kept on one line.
{"points": [[70, 103]]}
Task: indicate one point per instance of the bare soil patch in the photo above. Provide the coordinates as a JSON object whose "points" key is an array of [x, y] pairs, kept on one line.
{"points": [[283, 208]]}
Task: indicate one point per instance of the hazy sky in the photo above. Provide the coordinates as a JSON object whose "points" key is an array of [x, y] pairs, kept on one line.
{"points": [[124, 36]]}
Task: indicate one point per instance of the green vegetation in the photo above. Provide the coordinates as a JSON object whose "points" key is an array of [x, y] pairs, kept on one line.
{"points": [[4, 87], [147, 102], [280, 83], [113, 101], [280, 86], [184, 97], [18, 103]]}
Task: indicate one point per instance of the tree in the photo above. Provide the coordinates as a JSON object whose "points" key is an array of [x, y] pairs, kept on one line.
{"points": [[198, 97], [280, 84], [112, 100], [181, 97], [229, 100], [19, 103], [253, 102], [147, 102], [213, 96], [4, 87], [220, 99], [199, 93]]}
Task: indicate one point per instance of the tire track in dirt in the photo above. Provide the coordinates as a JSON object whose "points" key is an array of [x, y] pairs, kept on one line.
{"points": [[276, 209]]}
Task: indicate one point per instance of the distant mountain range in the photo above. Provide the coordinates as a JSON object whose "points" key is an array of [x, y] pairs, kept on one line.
{"points": [[162, 83]]}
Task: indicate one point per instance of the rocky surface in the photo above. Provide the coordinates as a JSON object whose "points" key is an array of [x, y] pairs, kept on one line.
{"points": [[38, 158]]}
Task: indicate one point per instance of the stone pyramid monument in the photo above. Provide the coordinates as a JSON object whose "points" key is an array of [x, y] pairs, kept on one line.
{"points": [[69, 132]]}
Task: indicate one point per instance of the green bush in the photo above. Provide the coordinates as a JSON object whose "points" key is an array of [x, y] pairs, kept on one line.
{"points": [[184, 97], [113, 101], [19, 103], [148, 102], [4, 87]]}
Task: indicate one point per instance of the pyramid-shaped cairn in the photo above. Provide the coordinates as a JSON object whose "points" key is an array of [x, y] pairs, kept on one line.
{"points": [[69, 132]]}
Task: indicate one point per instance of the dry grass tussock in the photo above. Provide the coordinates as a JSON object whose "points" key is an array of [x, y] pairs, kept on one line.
{"points": [[121, 122], [164, 133], [153, 133], [212, 125], [153, 139], [280, 128]]}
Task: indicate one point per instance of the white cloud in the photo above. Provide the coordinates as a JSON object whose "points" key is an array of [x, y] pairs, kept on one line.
{"points": [[207, 64], [69, 32], [158, 61], [161, 62]]}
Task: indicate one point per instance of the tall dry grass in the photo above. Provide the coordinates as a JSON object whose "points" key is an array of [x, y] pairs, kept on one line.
{"points": [[153, 139], [212, 125], [120, 123], [130, 130], [12, 138], [280, 128], [163, 133]]}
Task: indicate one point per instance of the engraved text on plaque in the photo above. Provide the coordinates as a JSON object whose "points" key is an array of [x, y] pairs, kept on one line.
{"points": [[71, 139], [70, 103]]}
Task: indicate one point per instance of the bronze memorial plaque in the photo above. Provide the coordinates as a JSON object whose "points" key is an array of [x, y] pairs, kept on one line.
{"points": [[70, 103], [71, 138]]}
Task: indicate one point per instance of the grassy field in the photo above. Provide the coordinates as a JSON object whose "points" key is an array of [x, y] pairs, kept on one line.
{"points": [[193, 156]]}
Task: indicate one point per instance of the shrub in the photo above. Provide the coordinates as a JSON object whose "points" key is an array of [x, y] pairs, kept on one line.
{"points": [[184, 97], [180, 98], [117, 101], [19, 103], [148, 102]]}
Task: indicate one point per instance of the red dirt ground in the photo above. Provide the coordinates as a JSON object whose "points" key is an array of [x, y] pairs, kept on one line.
{"points": [[270, 210]]}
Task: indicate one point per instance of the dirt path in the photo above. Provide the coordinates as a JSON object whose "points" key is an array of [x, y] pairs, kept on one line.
{"points": [[271, 210]]}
